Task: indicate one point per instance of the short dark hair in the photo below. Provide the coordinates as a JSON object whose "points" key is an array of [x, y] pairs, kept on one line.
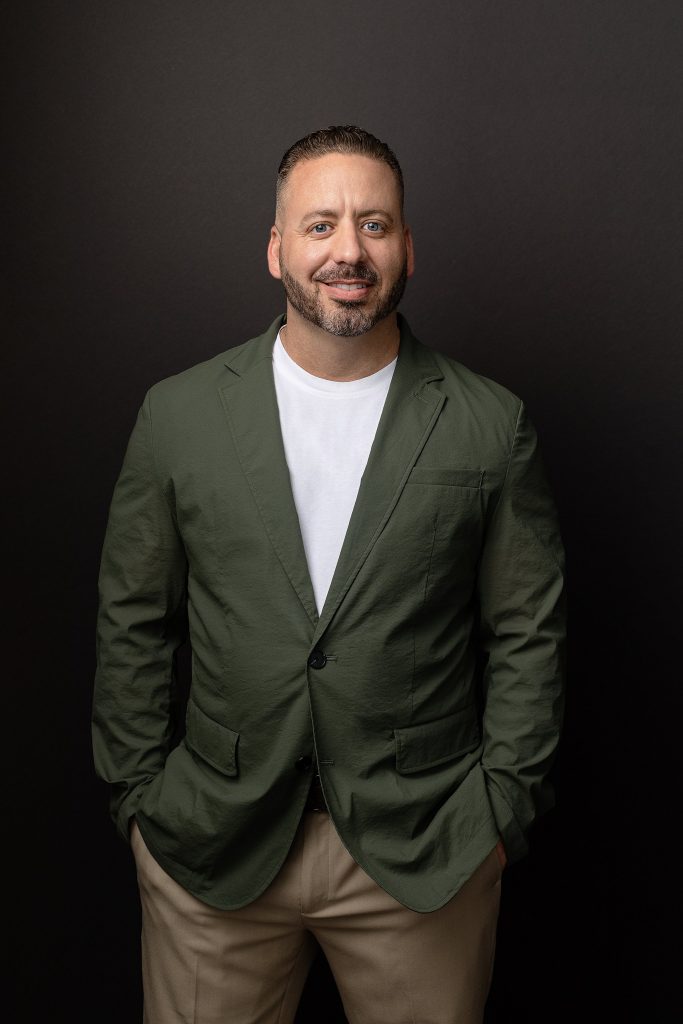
{"points": [[336, 139]]}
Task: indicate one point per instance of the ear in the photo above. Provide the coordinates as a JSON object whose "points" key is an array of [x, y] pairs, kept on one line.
{"points": [[274, 252], [410, 251]]}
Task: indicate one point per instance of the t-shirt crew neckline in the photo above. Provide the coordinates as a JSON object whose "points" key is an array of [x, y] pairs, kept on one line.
{"points": [[338, 388]]}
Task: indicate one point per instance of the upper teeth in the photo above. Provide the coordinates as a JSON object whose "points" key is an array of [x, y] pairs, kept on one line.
{"points": [[349, 287]]}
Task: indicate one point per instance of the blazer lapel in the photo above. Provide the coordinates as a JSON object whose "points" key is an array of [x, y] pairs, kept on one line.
{"points": [[251, 406], [410, 412]]}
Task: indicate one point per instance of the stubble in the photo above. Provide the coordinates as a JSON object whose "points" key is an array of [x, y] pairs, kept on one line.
{"points": [[350, 319]]}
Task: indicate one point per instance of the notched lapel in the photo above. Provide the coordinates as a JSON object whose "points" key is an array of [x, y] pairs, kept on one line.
{"points": [[411, 409], [250, 403]]}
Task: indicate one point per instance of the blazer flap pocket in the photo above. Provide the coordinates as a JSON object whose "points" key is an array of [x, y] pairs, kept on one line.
{"points": [[447, 477], [432, 743], [213, 742]]}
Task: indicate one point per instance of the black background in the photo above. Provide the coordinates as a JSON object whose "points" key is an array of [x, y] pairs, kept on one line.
{"points": [[541, 144]]}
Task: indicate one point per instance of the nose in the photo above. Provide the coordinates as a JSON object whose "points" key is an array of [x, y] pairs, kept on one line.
{"points": [[347, 243]]}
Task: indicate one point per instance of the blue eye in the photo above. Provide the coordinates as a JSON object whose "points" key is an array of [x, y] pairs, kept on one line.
{"points": [[323, 228], [373, 226]]}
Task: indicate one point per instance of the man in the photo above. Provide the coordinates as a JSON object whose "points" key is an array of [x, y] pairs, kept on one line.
{"points": [[357, 534]]}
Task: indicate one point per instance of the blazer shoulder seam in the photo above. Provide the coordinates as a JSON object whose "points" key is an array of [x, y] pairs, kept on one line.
{"points": [[518, 419], [155, 466]]}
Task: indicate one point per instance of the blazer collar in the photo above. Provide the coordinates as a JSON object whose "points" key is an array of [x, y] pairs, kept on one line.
{"points": [[410, 412]]}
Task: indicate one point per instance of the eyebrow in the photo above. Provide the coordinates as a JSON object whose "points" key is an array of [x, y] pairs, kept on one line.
{"points": [[317, 214]]}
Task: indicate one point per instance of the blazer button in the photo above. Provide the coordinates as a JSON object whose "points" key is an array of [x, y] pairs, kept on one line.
{"points": [[303, 763], [318, 659]]}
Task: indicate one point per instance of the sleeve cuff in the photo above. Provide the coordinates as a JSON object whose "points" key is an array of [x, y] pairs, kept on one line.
{"points": [[514, 839]]}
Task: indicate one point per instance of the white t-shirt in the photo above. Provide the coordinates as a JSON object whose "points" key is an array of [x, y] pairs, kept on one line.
{"points": [[328, 428]]}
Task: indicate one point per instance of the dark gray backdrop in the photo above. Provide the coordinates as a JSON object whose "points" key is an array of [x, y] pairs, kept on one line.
{"points": [[541, 143]]}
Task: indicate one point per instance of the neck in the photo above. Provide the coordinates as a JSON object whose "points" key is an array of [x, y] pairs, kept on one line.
{"points": [[342, 359]]}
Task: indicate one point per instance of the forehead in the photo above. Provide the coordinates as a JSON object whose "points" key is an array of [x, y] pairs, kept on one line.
{"points": [[341, 179]]}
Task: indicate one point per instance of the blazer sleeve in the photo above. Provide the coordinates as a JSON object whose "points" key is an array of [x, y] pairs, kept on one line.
{"points": [[521, 596], [141, 624]]}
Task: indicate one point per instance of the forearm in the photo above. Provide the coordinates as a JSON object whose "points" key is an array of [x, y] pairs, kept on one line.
{"points": [[521, 593], [141, 624]]}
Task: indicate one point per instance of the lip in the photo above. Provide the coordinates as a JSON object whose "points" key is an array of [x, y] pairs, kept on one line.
{"points": [[336, 289]]}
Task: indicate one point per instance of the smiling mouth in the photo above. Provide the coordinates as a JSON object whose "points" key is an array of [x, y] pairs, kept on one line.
{"points": [[348, 291]]}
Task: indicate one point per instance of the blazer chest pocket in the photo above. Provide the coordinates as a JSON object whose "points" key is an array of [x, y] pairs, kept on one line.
{"points": [[448, 504], [433, 475], [432, 743], [211, 741]]}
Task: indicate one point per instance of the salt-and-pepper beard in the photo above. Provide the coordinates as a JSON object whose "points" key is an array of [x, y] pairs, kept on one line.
{"points": [[352, 318]]}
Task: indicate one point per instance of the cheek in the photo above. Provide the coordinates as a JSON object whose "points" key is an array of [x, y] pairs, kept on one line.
{"points": [[305, 263], [392, 262], [315, 258]]}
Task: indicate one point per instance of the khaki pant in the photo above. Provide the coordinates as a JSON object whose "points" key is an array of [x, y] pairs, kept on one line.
{"points": [[391, 965]]}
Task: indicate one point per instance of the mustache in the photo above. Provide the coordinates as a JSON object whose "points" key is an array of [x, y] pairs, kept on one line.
{"points": [[348, 273]]}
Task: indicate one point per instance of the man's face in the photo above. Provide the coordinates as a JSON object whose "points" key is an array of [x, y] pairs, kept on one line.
{"points": [[340, 246]]}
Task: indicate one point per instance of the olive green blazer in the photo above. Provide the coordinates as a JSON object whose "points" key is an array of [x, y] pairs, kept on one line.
{"points": [[430, 686]]}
